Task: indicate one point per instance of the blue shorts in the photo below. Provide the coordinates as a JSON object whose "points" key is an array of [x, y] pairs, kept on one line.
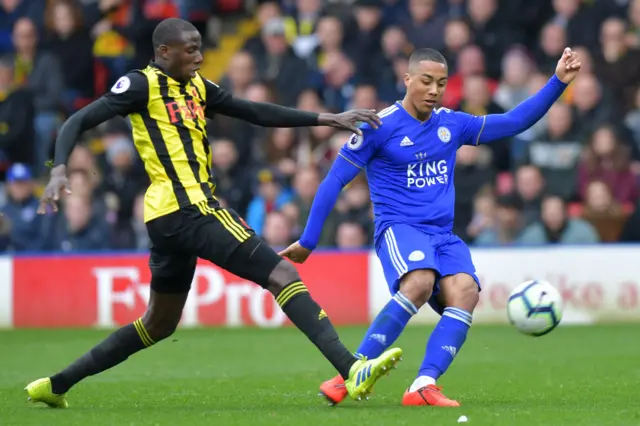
{"points": [[403, 248]]}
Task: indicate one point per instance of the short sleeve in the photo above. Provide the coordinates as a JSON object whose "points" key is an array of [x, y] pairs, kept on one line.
{"points": [[471, 127], [128, 95], [359, 150], [216, 95]]}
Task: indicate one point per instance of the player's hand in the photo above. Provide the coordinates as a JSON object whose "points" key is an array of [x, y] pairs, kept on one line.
{"points": [[568, 66], [296, 253], [51, 195], [347, 120]]}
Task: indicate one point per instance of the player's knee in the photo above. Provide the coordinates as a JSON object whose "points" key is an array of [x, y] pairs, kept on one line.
{"points": [[161, 323], [460, 291], [282, 275], [417, 286]]}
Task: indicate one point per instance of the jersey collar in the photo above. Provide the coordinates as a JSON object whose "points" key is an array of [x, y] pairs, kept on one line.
{"points": [[405, 112]]}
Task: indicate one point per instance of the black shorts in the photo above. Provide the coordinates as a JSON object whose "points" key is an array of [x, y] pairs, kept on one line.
{"points": [[218, 235]]}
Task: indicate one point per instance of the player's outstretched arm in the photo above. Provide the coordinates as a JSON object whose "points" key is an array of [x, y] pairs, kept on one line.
{"points": [[526, 114], [85, 119], [342, 172], [128, 94], [271, 115]]}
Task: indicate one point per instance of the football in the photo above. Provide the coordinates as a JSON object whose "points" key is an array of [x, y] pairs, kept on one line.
{"points": [[535, 307]]}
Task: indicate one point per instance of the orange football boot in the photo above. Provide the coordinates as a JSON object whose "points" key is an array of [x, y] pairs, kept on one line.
{"points": [[334, 390], [428, 395]]}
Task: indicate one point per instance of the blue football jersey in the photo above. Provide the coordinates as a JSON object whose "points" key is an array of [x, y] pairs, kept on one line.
{"points": [[410, 165]]}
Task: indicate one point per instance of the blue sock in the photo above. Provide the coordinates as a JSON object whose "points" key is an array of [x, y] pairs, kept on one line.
{"points": [[445, 342], [387, 326]]}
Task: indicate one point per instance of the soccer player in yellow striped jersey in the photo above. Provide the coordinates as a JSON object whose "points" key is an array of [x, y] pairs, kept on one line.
{"points": [[168, 103]]}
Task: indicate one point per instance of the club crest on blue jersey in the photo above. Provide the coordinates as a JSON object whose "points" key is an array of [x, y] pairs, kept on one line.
{"points": [[355, 142], [444, 134]]}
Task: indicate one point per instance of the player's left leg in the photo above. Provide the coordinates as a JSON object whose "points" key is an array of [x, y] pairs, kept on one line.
{"points": [[254, 260], [455, 297]]}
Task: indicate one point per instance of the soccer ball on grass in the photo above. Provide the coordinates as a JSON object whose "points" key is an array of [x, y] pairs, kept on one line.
{"points": [[535, 307]]}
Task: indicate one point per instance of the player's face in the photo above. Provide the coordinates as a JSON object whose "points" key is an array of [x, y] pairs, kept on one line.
{"points": [[426, 85], [186, 57]]}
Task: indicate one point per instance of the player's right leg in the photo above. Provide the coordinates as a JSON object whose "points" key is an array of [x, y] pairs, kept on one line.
{"points": [[410, 266], [171, 277], [226, 241]]}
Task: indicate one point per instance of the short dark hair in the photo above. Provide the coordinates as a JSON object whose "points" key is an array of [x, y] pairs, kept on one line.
{"points": [[426, 55], [170, 31]]}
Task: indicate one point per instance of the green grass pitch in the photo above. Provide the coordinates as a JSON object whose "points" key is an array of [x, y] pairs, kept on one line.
{"points": [[573, 376]]}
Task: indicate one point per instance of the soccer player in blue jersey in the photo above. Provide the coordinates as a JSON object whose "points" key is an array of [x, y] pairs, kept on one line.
{"points": [[409, 161]]}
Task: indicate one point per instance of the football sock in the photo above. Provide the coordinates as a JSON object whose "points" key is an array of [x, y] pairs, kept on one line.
{"points": [[445, 342], [110, 352], [387, 326], [310, 318]]}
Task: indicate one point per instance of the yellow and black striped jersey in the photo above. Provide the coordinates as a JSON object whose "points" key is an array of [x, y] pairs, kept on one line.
{"points": [[168, 119], [169, 131]]}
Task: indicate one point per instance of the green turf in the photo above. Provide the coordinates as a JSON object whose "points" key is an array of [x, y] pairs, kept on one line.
{"points": [[574, 376]]}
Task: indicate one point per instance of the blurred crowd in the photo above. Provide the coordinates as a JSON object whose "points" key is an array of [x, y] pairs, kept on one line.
{"points": [[573, 178]]}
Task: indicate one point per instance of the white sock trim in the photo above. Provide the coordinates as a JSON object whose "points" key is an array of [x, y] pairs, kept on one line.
{"points": [[421, 382]]}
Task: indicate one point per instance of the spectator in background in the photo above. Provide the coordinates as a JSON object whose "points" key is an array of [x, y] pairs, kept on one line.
{"points": [[530, 187], [394, 12], [575, 16], [484, 215], [272, 196], [83, 185], [330, 35], [365, 37], [365, 97], [473, 172], [392, 64], [28, 230], [470, 62], [555, 226], [424, 27], [632, 38], [11, 11], [266, 12], [557, 153], [517, 68], [616, 65], [351, 236], [233, 183], [276, 63], [491, 32], [280, 150], [80, 229], [40, 72], [16, 119], [300, 25], [508, 224], [277, 230], [603, 212], [607, 159], [122, 179], [632, 120], [240, 80], [591, 108], [457, 35], [131, 235], [553, 40], [241, 72], [68, 37], [477, 101], [338, 81]]}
